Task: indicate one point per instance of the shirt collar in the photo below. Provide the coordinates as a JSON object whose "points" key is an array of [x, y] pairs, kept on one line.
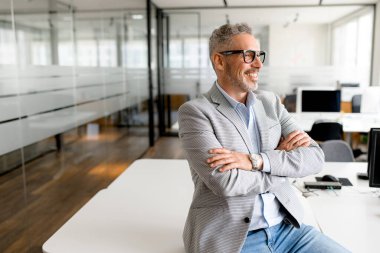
{"points": [[250, 98]]}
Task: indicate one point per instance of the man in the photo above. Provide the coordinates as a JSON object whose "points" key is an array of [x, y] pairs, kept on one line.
{"points": [[242, 145]]}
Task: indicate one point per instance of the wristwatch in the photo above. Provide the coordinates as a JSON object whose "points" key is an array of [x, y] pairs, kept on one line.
{"points": [[255, 160]]}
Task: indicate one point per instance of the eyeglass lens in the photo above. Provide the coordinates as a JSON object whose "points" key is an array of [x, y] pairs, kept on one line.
{"points": [[249, 56]]}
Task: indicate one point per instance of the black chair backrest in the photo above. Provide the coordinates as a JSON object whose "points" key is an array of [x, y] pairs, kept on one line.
{"points": [[356, 102], [324, 131]]}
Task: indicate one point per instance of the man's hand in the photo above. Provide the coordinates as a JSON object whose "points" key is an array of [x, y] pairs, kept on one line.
{"points": [[294, 140], [229, 159]]}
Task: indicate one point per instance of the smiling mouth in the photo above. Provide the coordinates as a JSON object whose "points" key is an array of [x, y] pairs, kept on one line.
{"points": [[252, 75]]}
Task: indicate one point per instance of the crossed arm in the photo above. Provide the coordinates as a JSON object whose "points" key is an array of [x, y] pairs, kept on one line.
{"points": [[198, 137], [229, 159]]}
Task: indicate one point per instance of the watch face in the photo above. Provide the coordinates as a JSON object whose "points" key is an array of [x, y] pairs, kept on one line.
{"points": [[255, 161]]}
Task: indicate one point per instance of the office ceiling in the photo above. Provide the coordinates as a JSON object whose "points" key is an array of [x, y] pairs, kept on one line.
{"points": [[257, 13], [260, 12], [86, 5], [212, 12], [185, 22], [254, 3], [281, 15]]}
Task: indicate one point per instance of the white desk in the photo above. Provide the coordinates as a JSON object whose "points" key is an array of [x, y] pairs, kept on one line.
{"points": [[353, 221], [352, 122], [351, 215], [145, 208], [142, 211]]}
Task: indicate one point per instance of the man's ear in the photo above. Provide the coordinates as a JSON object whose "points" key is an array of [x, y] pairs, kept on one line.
{"points": [[219, 63]]}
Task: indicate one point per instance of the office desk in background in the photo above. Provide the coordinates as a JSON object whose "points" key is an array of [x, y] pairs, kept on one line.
{"points": [[352, 122], [145, 208]]}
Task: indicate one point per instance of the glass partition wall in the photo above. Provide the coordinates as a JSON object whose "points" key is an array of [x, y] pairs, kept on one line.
{"points": [[183, 58], [73, 111]]}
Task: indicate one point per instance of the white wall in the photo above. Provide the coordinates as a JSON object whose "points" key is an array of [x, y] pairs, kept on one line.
{"points": [[298, 45], [376, 49]]}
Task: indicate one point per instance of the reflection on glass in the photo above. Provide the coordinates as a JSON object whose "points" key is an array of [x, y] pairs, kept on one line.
{"points": [[7, 47], [65, 40], [62, 75]]}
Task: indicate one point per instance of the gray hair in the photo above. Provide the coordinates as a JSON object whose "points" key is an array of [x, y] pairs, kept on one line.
{"points": [[223, 35]]}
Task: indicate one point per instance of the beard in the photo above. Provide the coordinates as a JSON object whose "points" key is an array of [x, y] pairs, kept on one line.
{"points": [[239, 81]]}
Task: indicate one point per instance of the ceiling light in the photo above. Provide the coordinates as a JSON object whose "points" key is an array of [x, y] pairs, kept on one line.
{"points": [[137, 16]]}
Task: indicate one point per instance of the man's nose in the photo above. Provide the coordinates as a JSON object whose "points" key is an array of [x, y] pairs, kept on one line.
{"points": [[257, 63]]}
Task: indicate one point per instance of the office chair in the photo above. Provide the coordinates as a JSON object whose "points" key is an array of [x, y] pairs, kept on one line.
{"points": [[324, 131], [356, 102], [337, 151], [290, 102]]}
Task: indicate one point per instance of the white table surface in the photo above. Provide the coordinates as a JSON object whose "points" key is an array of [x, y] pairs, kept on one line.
{"points": [[351, 215], [142, 211], [145, 208], [353, 221]]}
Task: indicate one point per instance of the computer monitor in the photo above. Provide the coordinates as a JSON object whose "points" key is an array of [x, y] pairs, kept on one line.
{"points": [[321, 101], [374, 157]]}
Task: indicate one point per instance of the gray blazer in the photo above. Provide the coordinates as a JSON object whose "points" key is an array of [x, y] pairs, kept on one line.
{"points": [[222, 200]]}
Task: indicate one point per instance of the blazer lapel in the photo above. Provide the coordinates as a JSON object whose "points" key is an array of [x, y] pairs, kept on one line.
{"points": [[225, 108], [261, 119]]}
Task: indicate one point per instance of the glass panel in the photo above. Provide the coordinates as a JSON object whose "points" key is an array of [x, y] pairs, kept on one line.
{"points": [[182, 53], [73, 112], [13, 218], [46, 100], [135, 63]]}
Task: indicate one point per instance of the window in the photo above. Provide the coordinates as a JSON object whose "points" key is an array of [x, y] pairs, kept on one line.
{"points": [[352, 46]]}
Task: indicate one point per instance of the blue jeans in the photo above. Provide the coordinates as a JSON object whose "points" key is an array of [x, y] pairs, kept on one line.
{"points": [[283, 238]]}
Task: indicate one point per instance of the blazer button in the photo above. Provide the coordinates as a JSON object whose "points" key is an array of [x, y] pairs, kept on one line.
{"points": [[247, 220]]}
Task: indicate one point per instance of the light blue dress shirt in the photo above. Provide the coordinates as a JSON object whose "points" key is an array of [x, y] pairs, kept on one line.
{"points": [[267, 208]]}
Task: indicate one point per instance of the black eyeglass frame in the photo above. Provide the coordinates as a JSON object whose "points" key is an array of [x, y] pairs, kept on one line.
{"points": [[255, 54]]}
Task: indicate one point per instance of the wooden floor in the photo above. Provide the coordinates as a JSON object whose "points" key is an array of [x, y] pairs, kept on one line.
{"points": [[58, 184]]}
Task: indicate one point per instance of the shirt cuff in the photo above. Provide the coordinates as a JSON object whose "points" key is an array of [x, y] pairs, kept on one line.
{"points": [[266, 164]]}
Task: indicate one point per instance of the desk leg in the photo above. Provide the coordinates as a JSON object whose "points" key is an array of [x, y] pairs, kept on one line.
{"points": [[58, 141], [349, 138]]}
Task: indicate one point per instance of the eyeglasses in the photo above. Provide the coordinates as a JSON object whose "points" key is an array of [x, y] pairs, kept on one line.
{"points": [[248, 55]]}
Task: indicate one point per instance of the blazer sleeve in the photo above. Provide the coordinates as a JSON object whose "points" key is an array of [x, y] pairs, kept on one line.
{"points": [[197, 138], [300, 162]]}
